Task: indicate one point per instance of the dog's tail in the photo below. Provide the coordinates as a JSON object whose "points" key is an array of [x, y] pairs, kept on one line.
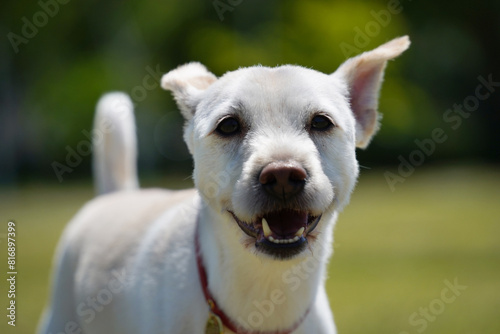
{"points": [[114, 144]]}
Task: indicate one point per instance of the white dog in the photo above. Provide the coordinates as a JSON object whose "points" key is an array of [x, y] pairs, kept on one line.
{"points": [[247, 251]]}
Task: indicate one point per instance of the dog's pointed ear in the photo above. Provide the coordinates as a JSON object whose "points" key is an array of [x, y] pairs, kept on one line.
{"points": [[187, 82], [364, 75]]}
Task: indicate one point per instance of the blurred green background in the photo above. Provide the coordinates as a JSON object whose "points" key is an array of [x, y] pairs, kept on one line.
{"points": [[424, 212]]}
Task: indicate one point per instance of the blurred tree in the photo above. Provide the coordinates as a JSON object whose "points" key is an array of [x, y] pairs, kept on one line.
{"points": [[82, 49]]}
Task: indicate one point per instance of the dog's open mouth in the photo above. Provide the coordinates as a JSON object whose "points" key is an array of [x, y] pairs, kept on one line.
{"points": [[282, 234]]}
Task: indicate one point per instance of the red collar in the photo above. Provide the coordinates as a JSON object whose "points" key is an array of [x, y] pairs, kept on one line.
{"points": [[226, 321]]}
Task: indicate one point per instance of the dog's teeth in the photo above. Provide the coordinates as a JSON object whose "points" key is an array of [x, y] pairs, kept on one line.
{"points": [[300, 232], [265, 228], [283, 241]]}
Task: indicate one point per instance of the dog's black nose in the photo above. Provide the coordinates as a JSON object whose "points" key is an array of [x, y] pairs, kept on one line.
{"points": [[283, 179]]}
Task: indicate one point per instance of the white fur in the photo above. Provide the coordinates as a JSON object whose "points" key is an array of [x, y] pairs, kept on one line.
{"points": [[145, 238], [114, 145]]}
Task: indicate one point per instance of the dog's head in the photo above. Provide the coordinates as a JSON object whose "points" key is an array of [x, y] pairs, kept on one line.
{"points": [[274, 148]]}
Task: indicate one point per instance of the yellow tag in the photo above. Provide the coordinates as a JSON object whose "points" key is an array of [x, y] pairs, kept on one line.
{"points": [[214, 324]]}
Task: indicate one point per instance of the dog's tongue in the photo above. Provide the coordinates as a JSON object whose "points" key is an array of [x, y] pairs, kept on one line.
{"points": [[286, 223]]}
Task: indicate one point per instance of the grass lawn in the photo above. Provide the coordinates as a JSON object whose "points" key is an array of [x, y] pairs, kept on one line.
{"points": [[396, 253]]}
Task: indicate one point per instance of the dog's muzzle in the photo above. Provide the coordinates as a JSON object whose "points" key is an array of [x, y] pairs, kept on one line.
{"points": [[283, 232]]}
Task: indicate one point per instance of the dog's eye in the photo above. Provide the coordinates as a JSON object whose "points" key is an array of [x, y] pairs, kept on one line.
{"points": [[321, 123], [228, 126]]}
